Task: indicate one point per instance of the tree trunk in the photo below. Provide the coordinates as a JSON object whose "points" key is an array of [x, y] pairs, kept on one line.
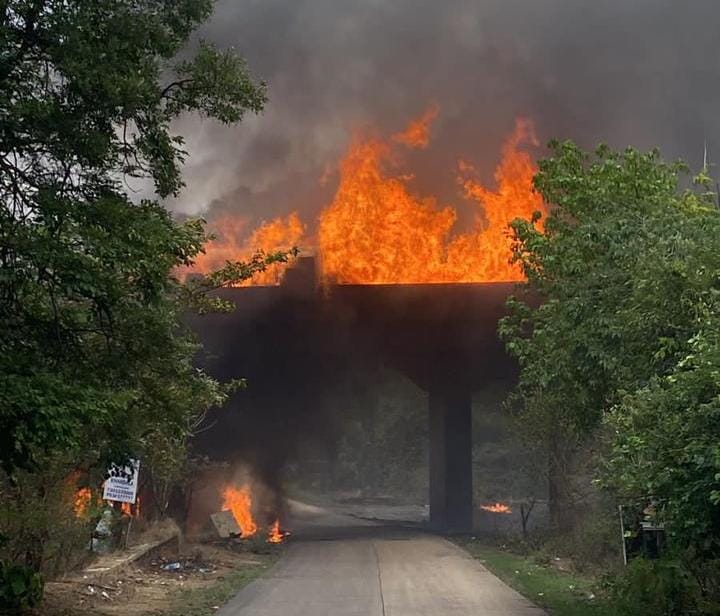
{"points": [[560, 500]]}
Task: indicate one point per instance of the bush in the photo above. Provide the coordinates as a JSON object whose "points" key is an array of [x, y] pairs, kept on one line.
{"points": [[39, 520], [20, 588], [592, 544], [659, 587]]}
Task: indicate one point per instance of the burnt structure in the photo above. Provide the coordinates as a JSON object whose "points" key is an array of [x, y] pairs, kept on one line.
{"points": [[291, 341]]}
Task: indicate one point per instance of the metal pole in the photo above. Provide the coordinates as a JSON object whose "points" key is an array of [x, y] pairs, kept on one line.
{"points": [[127, 534], [622, 534]]}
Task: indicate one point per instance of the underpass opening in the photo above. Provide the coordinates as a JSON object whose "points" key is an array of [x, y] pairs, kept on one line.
{"points": [[295, 341]]}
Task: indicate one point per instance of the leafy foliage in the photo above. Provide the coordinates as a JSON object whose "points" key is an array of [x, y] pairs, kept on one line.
{"points": [[624, 265], [666, 444], [660, 587], [95, 362], [20, 587], [92, 355], [46, 526]]}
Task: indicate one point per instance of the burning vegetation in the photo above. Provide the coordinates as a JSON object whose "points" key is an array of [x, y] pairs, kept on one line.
{"points": [[84, 498], [377, 230]]}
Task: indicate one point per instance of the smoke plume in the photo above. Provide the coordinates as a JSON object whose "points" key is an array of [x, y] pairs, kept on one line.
{"points": [[640, 72]]}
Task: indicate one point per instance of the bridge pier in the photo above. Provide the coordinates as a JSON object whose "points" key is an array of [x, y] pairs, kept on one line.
{"points": [[451, 493]]}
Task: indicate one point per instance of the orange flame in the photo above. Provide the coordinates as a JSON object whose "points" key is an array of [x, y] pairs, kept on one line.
{"points": [[377, 232], [417, 133], [127, 508], [278, 234], [239, 502], [82, 502], [496, 508], [275, 535]]}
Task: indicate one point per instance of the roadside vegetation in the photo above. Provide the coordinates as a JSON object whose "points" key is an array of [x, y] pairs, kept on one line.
{"points": [[191, 581], [543, 580], [617, 339], [205, 601], [95, 363]]}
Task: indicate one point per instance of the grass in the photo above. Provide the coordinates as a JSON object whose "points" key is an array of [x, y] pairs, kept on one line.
{"points": [[561, 593], [205, 601]]}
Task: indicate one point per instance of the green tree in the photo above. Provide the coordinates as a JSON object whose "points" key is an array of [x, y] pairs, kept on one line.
{"points": [[90, 347], [665, 447], [618, 278], [95, 363]]}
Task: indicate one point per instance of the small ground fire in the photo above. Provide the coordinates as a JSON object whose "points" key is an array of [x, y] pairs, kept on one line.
{"points": [[275, 534], [239, 501], [496, 508]]}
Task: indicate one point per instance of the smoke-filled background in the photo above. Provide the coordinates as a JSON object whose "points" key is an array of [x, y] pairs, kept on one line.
{"points": [[640, 72]]}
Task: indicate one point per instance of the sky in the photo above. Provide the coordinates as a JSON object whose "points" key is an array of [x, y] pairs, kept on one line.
{"points": [[625, 72]]}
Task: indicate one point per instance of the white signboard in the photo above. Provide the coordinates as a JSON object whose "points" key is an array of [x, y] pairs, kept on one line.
{"points": [[122, 483]]}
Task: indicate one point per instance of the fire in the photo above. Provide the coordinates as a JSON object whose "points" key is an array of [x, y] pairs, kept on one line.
{"points": [[275, 535], [376, 231], [496, 508], [513, 198], [127, 508], [239, 502], [417, 133], [278, 234], [83, 497]]}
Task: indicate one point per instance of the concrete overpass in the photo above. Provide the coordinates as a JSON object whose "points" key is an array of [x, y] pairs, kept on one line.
{"points": [[290, 341]]}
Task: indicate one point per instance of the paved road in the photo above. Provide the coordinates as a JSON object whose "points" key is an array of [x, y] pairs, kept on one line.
{"points": [[340, 566]]}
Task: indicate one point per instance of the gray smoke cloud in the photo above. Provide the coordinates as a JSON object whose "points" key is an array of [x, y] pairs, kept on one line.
{"points": [[640, 72]]}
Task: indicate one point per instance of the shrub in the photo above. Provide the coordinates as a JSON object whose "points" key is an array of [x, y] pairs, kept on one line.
{"points": [[20, 587], [659, 587], [39, 519]]}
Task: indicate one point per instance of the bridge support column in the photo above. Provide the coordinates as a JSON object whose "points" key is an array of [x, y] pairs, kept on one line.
{"points": [[451, 494]]}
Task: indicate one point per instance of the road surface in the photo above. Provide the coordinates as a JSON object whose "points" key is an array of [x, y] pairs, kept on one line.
{"points": [[341, 566]]}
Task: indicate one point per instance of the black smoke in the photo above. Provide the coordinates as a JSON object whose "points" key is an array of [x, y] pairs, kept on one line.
{"points": [[640, 72]]}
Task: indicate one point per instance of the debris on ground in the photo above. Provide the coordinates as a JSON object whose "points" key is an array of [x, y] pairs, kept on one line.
{"points": [[225, 524], [189, 564], [146, 586]]}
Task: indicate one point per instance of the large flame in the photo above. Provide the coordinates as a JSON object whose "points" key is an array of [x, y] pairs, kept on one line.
{"points": [[239, 502], [281, 233], [377, 230], [513, 198]]}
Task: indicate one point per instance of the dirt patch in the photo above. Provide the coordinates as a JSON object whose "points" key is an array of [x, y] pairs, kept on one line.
{"points": [[151, 586]]}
